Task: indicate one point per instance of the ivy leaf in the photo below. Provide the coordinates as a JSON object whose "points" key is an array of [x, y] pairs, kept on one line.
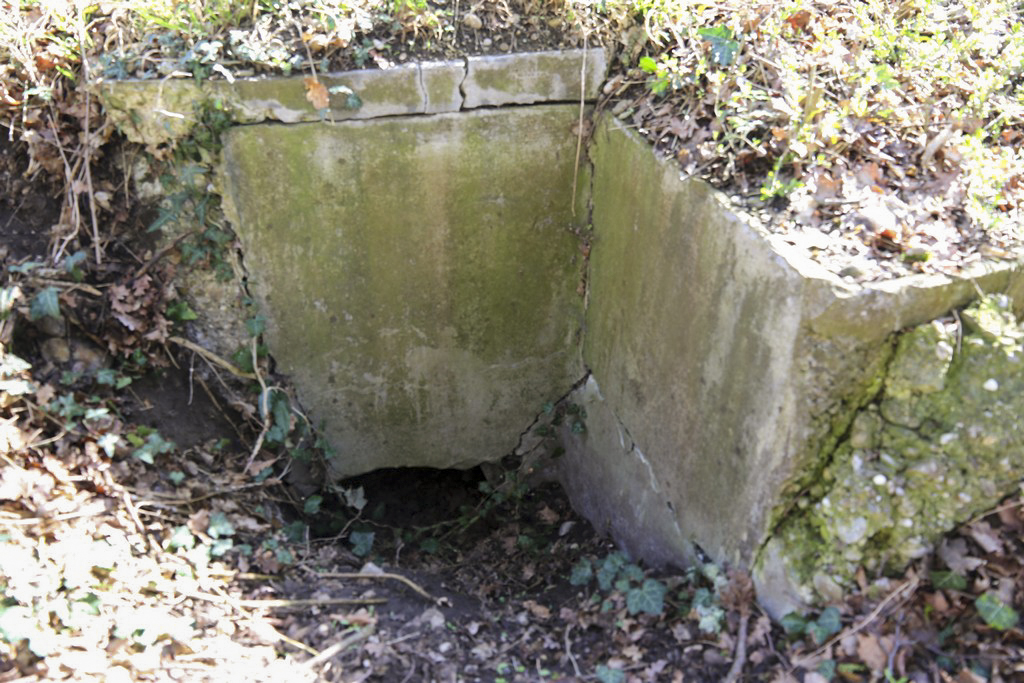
{"points": [[582, 573], [45, 304], [609, 568], [947, 581], [280, 408], [362, 542], [255, 325], [179, 311], [794, 624], [181, 538], [648, 64], [312, 505], [723, 47], [995, 612], [826, 626], [648, 598], [219, 526], [606, 674]]}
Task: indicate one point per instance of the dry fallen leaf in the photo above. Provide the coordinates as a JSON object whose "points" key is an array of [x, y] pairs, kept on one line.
{"points": [[985, 536], [316, 93], [871, 652], [798, 21], [538, 610]]}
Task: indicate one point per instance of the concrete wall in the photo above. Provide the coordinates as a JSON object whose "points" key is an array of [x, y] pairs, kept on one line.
{"points": [[419, 276], [726, 368]]}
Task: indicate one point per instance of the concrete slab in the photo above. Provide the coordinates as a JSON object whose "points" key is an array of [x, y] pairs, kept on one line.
{"points": [[419, 276], [527, 78], [157, 112]]}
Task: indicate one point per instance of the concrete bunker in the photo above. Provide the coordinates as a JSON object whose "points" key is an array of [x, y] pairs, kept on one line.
{"points": [[426, 289]]}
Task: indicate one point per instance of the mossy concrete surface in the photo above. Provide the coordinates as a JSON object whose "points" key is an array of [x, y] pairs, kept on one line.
{"points": [[156, 112], [419, 276], [940, 443], [732, 370], [531, 77]]}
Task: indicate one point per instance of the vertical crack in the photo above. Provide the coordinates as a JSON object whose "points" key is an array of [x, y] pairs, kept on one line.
{"points": [[462, 83]]}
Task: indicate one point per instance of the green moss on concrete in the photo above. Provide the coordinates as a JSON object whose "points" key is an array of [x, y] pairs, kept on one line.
{"points": [[419, 276], [941, 444]]}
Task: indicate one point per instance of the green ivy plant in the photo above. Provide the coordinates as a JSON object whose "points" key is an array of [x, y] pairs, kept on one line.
{"points": [[615, 572]]}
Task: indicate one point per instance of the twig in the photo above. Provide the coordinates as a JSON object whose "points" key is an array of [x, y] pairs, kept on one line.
{"points": [[95, 510], [342, 645], [383, 575], [310, 602], [736, 670], [134, 514], [579, 125], [569, 654], [265, 402], [212, 357], [160, 254], [70, 286], [272, 603]]}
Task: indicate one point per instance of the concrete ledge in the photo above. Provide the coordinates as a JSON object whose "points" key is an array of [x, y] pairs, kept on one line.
{"points": [[158, 112], [532, 77]]}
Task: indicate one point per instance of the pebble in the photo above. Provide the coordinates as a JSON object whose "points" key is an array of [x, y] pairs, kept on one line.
{"points": [[990, 385], [473, 21]]}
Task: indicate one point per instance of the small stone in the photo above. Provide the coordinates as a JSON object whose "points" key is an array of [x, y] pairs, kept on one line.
{"points": [[504, 47], [472, 21], [878, 217], [853, 531], [55, 350], [851, 272], [827, 588], [879, 480], [990, 385], [486, 42]]}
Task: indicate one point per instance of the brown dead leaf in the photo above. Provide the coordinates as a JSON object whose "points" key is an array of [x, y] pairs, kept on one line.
{"points": [[798, 21], [871, 652], [968, 676], [547, 515], [199, 521], [11, 437], [537, 610], [954, 554], [316, 93], [984, 535]]}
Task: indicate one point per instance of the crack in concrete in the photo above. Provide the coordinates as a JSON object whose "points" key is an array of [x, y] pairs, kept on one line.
{"points": [[462, 83]]}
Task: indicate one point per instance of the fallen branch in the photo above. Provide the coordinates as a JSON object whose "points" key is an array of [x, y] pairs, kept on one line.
{"points": [[569, 654], [736, 670], [342, 645], [383, 575], [284, 603], [211, 356]]}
